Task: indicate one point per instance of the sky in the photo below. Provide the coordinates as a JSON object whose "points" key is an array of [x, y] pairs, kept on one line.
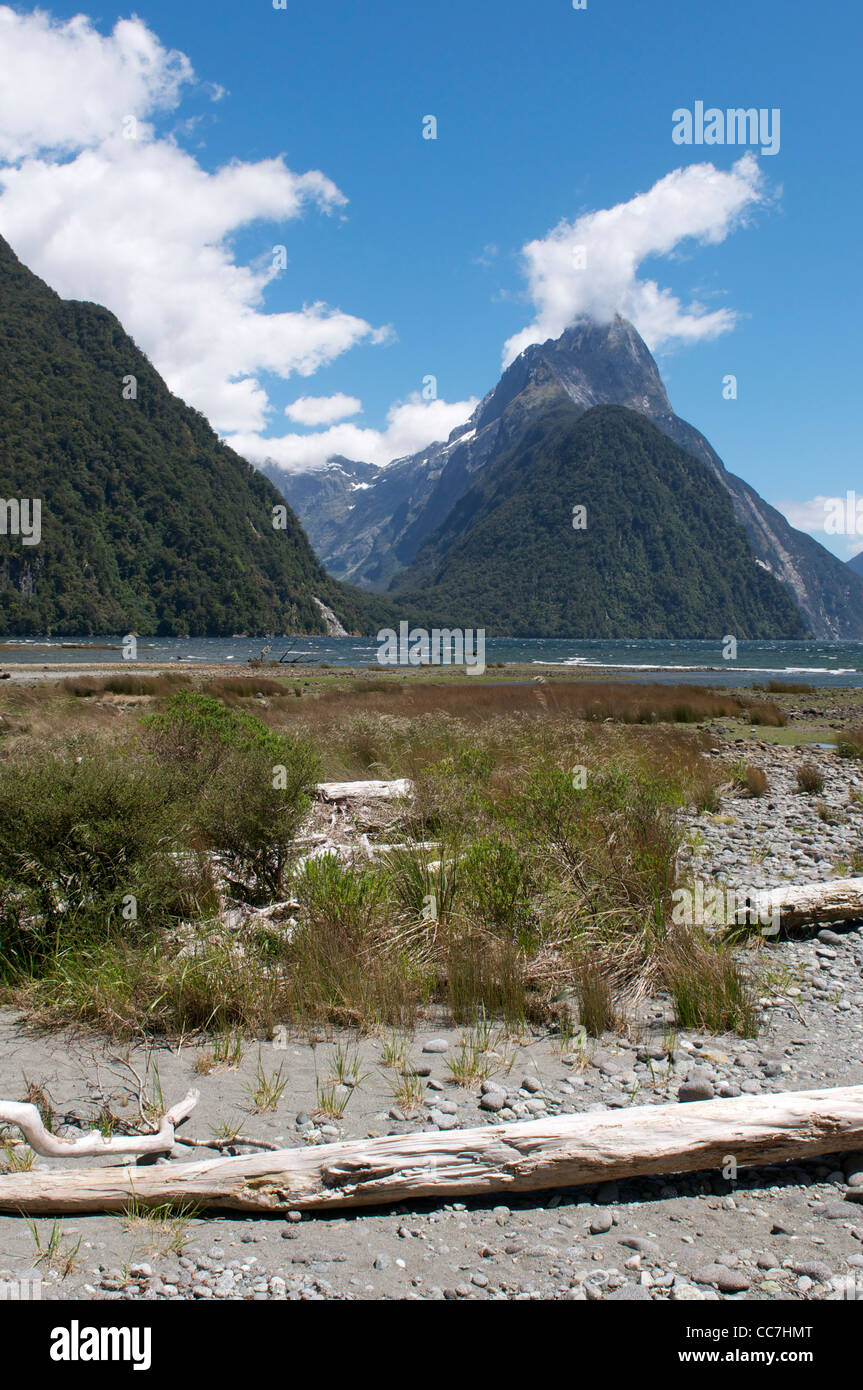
{"points": [[253, 189]]}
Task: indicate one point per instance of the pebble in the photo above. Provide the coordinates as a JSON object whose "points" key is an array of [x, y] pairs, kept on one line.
{"points": [[725, 1279], [492, 1100], [443, 1121], [814, 1269], [696, 1090]]}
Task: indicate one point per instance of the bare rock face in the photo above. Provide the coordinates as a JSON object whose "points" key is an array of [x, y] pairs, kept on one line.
{"points": [[367, 524]]}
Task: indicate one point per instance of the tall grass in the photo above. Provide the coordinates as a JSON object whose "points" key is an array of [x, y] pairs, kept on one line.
{"points": [[541, 882], [708, 987]]}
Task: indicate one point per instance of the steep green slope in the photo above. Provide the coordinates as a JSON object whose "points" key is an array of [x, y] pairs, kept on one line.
{"points": [[149, 522], [661, 555]]}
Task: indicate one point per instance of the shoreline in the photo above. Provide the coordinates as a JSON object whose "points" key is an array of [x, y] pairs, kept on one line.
{"points": [[496, 673]]}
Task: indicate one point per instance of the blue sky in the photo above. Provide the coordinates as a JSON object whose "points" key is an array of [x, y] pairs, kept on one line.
{"points": [[544, 114]]}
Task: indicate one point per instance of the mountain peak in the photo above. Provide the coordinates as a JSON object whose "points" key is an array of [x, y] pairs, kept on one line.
{"points": [[370, 536], [592, 363]]}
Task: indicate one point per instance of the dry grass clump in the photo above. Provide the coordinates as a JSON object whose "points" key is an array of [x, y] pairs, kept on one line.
{"points": [[768, 715], [598, 1010], [756, 781], [85, 687], [625, 702], [709, 989], [810, 779], [787, 688]]}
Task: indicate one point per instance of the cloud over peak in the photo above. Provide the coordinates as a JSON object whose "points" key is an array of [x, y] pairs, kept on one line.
{"points": [[589, 267]]}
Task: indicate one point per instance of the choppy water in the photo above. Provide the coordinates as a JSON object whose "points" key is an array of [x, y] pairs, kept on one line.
{"points": [[813, 663]]}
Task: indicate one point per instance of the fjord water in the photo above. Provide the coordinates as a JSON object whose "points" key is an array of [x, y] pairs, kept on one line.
{"points": [[814, 663]]}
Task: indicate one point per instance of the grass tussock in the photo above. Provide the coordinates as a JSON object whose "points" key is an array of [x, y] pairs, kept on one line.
{"points": [[709, 989], [810, 779], [767, 715], [786, 688], [849, 744], [88, 687], [624, 702], [756, 781]]}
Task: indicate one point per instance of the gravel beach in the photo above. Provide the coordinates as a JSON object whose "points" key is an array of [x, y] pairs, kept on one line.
{"points": [[791, 1231]]}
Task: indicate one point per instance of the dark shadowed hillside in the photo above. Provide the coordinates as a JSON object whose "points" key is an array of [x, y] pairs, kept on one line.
{"points": [[148, 521], [660, 555]]}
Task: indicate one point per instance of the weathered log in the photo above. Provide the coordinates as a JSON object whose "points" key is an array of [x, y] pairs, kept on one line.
{"points": [[364, 791], [802, 904], [557, 1151], [95, 1144]]}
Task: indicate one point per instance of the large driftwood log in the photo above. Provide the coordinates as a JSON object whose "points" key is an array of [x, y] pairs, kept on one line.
{"points": [[802, 904], [557, 1151], [364, 791], [95, 1144]]}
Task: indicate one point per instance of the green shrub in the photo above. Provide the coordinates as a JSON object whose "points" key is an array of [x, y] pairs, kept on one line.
{"points": [[498, 885], [84, 838], [195, 729], [248, 787], [340, 898]]}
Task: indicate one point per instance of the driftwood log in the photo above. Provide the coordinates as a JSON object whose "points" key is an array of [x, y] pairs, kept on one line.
{"points": [[554, 1152], [802, 904], [95, 1144], [364, 791]]}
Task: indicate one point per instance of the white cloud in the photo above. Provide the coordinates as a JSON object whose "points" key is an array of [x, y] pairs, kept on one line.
{"points": [[411, 425], [66, 85], [806, 516], [828, 518], [589, 267], [140, 226], [322, 410]]}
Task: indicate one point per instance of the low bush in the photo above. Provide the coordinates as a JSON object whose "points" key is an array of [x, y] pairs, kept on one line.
{"points": [[849, 744], [85, 840]]}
